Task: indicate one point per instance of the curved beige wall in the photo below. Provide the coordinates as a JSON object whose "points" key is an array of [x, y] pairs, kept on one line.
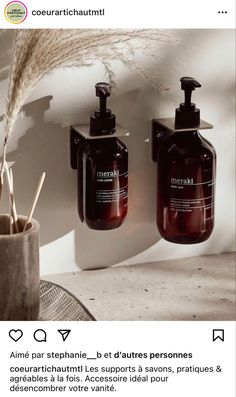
{"points": [[66, 96]]}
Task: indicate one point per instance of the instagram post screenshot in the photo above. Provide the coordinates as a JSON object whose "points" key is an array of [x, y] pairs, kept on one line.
{"points": [[117, 198]]}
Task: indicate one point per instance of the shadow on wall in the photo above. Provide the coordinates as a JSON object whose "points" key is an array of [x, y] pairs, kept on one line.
{"points": [[45, 146]]}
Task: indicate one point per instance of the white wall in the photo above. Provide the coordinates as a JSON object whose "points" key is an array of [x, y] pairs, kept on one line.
{"points": [[40, 142]]}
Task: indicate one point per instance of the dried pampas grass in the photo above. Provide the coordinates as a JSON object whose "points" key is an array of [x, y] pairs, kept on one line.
{"points": [[38, 52]]}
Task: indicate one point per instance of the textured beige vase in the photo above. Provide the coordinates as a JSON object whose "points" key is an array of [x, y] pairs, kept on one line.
{"points": [[19, 272]]}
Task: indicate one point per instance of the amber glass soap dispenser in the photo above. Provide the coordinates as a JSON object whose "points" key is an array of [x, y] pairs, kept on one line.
{"points": [[102, 162], [186, 167]]}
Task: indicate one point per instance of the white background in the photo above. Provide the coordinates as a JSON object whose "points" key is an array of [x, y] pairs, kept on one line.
{"points": [[133, 14]]}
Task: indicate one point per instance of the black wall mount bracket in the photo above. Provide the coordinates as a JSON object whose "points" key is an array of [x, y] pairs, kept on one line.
{"points": [[163, 128], [80, 133]]}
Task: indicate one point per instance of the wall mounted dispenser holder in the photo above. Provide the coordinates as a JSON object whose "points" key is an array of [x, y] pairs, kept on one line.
{"points": [[101, 160], [186, 168], [163, 128], [79, 134]]}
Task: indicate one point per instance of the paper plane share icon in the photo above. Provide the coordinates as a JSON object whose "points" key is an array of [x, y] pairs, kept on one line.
{"points": [[64, 333]]}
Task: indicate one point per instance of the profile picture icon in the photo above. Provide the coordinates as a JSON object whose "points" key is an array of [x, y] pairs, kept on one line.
{"points": [[15, 12]]}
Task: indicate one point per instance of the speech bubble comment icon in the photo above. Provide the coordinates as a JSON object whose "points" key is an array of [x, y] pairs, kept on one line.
{"points": [[218, 334], [40, 335]]}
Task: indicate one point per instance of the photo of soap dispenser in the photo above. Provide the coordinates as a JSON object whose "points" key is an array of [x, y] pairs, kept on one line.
{"points": [[102, 162], [186, 169]]}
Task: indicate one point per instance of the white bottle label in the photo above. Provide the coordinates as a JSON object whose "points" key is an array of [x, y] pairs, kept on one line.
{"points": [[111, 187]]}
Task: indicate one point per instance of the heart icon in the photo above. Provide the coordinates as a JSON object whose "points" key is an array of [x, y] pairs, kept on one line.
{"points": [[15, 334]]}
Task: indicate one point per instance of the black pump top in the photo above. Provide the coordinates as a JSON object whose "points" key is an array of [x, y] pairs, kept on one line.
{"points": [[102, 122], [187, 115]]}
